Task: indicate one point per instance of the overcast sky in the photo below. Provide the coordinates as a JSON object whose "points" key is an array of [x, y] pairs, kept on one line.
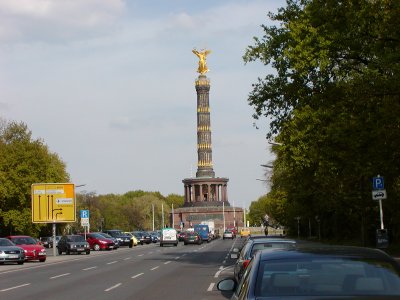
{"points": [[109, 86]]}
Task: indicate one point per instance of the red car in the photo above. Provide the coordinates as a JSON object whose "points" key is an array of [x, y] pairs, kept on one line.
{"points": [[32, 248], [98, 242]]}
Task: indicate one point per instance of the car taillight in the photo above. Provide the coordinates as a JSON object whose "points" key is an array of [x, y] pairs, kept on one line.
{"points": [[246, 263]]}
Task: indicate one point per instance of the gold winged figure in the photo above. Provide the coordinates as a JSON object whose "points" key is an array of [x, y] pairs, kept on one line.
{"points": [[202, 60]]}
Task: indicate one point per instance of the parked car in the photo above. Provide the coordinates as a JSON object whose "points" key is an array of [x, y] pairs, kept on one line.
{"points": [[73, 244], [9, 252], [134, 241], [98, 242], [122, 238], [252, 246], [192, 238], [181, 236], [244, 232], [155, 236], [33, 249], [323, 272], [228, 235], [143, 237], [58, 237], [45, 241], [107, 236]]}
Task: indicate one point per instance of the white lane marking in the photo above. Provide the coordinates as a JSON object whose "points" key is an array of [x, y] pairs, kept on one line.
{"points": [[154, 268], [177, 257], [54, 277], [167, 262], [112, 262], [127, 258], [137, 275], [140, 254], [113, 287], [14, 287], [183, 254], [220, 270], [210, 288], [89, 268]]}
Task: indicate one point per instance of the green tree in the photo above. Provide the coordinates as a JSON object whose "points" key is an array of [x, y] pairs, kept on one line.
{"points": [[334, 104], [23, 161]]}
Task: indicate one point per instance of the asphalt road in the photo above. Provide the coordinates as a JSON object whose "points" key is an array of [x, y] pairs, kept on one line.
{"points": [[142, 272]]}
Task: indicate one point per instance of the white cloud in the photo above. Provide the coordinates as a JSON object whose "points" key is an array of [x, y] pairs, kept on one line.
{"points": [[54, 20]]}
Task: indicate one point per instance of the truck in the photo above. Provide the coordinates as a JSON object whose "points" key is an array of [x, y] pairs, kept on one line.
{"points": [[211, 227], [204, 231]]}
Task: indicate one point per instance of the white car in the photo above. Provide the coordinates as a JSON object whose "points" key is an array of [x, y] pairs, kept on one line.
{"points": [[168, 236], [227, 235]]}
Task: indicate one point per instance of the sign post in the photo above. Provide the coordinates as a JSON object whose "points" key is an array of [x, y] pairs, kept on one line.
{"points": [[85, 220], [53, 203], [379, 193]]}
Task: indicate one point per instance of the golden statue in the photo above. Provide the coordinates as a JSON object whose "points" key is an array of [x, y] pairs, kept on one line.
{"points": [[202, 60]]}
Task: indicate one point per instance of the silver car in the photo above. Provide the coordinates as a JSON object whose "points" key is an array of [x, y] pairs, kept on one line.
{"points": [[9, 252], [227, 235]]}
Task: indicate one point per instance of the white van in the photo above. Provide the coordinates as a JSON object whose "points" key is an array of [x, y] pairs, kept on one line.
{"points": [[168, 236]]}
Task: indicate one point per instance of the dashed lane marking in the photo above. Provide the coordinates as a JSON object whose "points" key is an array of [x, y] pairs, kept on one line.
{"points": [[112, 262], [140, 254], [86, 269], [61, 275], [154, 268], [14, 287], [167, 262], [113, 287], [137, 275]]}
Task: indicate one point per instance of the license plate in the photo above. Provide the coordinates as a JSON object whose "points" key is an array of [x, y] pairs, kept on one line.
{"points": [[13, 256], [80, 249], [42, 253], [111, 247]]}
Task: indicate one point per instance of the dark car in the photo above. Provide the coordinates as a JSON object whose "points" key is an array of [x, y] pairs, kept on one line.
{"points": [[9, 252], [45, 241], [73, 244], [181, 235], [252, 246], [32, 248], [122, 238], [98, 242], [143, 237], [192, 238], [317, 272]]}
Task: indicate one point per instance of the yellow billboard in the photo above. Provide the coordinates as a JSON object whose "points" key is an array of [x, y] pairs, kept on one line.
{"points": [[53, 202]]}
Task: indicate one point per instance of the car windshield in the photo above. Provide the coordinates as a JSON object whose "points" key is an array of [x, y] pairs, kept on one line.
{"points": [[97, 236], [106, 235], [6, 243], [327, 277], [23, 241], [76, 238]]}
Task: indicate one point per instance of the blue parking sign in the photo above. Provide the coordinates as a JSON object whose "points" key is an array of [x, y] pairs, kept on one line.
{"points": [[378, 183], [84, 213]]}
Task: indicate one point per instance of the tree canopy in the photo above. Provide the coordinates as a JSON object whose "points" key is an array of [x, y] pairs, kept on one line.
{"points": [[333, 102]]}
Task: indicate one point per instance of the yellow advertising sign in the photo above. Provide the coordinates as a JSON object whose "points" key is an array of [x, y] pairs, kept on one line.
{"points": [[53, 203]]}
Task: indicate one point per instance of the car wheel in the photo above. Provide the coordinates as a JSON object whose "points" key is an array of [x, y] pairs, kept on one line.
{"points": [[59, 251], [161, 245], [176, 245], [130, 244], [20, 262], [96, 247], [42, 260], [67, 252], [87, 252]]}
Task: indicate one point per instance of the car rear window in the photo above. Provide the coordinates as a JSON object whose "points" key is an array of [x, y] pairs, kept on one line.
{"points": [[327, 277], [263, 246]]}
